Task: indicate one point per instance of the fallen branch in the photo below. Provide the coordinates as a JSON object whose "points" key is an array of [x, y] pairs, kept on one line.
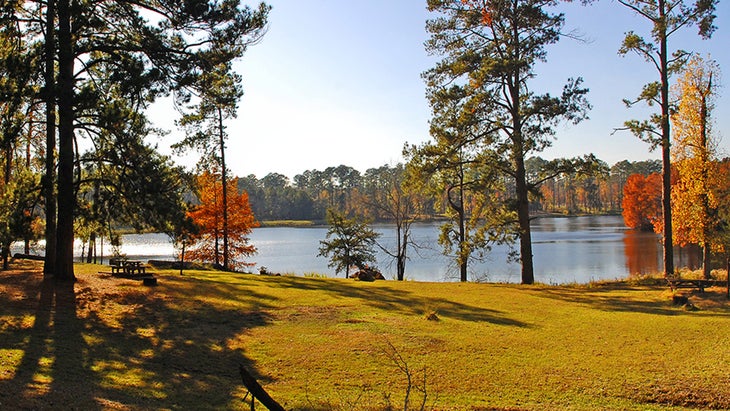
{"points": [[257, 391]]}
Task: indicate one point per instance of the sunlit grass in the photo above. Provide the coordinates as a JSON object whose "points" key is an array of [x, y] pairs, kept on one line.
{"points": [[322, 343], [289, 223]]}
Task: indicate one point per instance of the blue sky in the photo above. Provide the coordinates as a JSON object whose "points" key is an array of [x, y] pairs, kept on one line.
{"points": [[338, 82]]}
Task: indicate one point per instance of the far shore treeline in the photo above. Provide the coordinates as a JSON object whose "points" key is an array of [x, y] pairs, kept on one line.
{"points": [[309, 194]]}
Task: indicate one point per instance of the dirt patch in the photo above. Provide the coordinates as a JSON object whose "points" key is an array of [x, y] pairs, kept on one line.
{"points": [[309, 313], [684, 394]]}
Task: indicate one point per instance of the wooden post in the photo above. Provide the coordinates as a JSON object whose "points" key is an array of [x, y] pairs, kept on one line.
{"points": [[257, 391], [727, 275], [182, 257]]}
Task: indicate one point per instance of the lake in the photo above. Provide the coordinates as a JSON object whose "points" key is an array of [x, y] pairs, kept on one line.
{"points": [[566, 250]]}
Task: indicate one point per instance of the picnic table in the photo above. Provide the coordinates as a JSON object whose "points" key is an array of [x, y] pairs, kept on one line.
{"points": [[700, 284], [128, 267]]}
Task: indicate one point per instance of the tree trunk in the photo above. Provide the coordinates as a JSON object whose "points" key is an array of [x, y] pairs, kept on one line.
{"points": [[66, 201], [49, 265], [463, 259], [182, 258], [92, 247], [523, 203], [459, 208], [224, 177], [518, 158], [727, 275], [347, 265], [402, 254], [463, 262], [704, 157], [399, 263], [523, 218], [706, 264], [666, 143]]}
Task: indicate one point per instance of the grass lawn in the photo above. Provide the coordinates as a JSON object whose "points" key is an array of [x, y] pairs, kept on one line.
{"points": [[335, 344]]}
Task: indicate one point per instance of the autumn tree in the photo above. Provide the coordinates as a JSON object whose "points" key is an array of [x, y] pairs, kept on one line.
{"points": [[349, 242], [666, 18], [641, 202], [694, 205], [490, 50], [208, 218]]}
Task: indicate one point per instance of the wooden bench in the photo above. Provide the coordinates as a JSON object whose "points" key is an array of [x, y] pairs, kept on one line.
{"points": [[117, 269], [134, 267], [700, 284]]}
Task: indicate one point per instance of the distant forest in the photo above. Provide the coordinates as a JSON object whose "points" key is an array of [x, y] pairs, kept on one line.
{"points": [[311, 193]]}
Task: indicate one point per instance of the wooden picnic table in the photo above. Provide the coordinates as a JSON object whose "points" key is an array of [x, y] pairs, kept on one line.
{"points": [[128, 267], [700, 284]]}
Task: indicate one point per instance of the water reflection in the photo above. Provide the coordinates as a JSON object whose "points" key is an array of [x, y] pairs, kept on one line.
{"points": [[689, 257], [643, 252]]}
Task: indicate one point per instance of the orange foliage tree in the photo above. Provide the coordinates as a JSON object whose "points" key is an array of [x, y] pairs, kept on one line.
{"points": [[208, 217], [642, 202], [694, 151]]}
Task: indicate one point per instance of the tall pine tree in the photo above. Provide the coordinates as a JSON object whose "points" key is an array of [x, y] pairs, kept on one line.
{"points": [[490, 50]]}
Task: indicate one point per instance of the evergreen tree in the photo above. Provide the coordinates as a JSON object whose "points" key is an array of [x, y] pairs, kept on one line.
{"points": [[217, 93], [490, 49], [350, 242]]}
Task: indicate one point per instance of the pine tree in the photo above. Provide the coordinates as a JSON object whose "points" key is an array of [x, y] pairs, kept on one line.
{"points": [[140, 49], [350, 242], [481, 89]]}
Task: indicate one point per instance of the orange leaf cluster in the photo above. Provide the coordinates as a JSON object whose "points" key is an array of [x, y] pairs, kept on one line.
{"points": [[483, 7], [642, 202]]}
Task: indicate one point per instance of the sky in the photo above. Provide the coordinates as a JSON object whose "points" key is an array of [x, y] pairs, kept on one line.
{"points": [[339, 82]]}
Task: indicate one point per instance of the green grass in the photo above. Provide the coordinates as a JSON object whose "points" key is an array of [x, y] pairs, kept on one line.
{"points": [[290, 223], [320, 344]]}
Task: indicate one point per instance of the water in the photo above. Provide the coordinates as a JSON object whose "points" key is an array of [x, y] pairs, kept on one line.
{"points": [[570, 249]]}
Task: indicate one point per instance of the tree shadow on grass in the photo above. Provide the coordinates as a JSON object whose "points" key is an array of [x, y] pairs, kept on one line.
{"points": [[124, 346], [402, 301], [619, 298], [52, 363]]}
